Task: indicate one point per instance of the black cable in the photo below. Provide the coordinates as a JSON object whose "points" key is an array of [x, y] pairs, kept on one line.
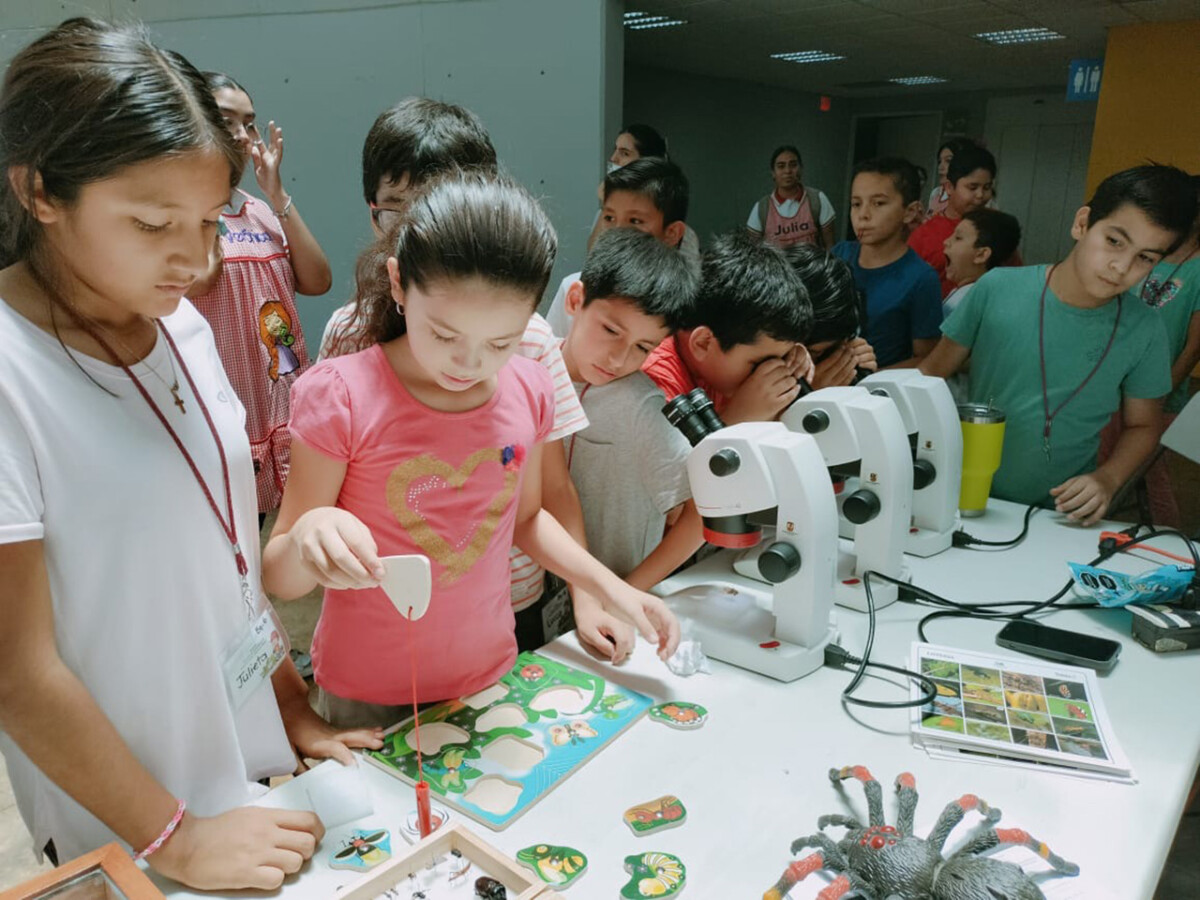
{"points": [[960, 538]]}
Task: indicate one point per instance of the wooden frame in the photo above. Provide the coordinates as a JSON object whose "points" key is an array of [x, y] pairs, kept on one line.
{"points": [[110, 860], [520, 882]]}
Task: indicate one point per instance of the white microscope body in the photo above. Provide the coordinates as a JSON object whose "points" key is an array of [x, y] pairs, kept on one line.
{"points": [[749, 468], [862, 434], [931, 419]]}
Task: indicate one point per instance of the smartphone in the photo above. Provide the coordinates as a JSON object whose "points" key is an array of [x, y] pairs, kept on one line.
{"points": [[1059, 645]]}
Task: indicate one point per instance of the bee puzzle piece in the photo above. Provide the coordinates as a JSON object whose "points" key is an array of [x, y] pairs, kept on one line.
{"points": [[490, 889], [677, 714], [656, 815], [560, 866], [654, 875], [365, 850]]}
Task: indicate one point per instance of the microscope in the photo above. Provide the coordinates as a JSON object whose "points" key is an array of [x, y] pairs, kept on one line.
{"points": [[864, 445], [735, 472], [935, 433]]}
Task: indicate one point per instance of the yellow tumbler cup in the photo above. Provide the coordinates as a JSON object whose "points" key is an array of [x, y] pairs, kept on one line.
{"points": [[983, 438]]}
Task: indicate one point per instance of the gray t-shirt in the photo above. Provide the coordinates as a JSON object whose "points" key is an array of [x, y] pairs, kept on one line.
{"points": [[629, 466]]}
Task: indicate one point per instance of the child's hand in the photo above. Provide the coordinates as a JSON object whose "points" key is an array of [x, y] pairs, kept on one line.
{"points": [[835, 370], [337, 549], [864, 354], [764, 395], [800, 362], [247, 847], [314, 738], [649, 615], [267, 156], [604, 635], [1084, 498]]}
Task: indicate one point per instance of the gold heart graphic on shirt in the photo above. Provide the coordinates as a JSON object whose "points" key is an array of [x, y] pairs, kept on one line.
{"points": [[402, 502]]}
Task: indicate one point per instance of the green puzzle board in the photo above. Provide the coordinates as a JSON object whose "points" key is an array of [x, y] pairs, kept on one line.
{"points": [[566, 741]]}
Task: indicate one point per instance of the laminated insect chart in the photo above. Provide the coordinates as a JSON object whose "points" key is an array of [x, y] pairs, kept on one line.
{"points": [[494, 754]]}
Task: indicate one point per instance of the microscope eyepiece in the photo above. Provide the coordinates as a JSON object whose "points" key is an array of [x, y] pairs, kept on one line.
{"points": [[694, 415]]}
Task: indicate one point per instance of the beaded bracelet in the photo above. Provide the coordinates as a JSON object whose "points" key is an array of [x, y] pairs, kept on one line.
{"points": [[166, 833], [283, 213]]}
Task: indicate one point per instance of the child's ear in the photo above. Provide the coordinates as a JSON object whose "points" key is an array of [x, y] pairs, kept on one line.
{"points": [[702, 342], [982, 255], [32, 197], [674, 233], [1080, 226], [574, 302], [393, 267], [913, 211]]}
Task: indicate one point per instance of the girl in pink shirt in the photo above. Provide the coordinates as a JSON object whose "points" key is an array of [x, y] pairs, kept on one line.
{"points": [[429, 442]]}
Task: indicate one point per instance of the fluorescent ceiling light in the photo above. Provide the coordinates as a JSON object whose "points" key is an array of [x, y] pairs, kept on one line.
{"points": [[807, 56], [913, 80], [1020, 36], [640, 21]]}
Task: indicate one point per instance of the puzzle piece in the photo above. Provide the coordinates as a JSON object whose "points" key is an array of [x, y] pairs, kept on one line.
{"points": [[677, 714], [656, 815], [560, 866], [364, 851], [654, 875]]}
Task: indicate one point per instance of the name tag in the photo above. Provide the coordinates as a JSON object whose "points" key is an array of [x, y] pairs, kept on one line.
{"points": [[253, 658]]}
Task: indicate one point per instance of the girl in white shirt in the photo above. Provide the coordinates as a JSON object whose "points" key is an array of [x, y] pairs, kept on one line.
{"points": [[136, 696]]}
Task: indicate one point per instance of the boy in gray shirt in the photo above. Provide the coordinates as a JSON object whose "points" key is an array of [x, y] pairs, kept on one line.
{"points": [[628, 465]]}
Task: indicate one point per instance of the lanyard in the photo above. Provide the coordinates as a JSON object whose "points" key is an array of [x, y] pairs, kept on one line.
{"points": [[571, 449], [227, 521], [1049, 416]]}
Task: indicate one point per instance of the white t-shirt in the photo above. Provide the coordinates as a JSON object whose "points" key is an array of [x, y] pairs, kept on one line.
{"points": [[789, 207], [630, 469], [556, 315], [144, 586]]}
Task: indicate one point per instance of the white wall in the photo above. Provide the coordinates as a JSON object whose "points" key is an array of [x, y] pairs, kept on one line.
{"points": [[722, 132], [536, 72]]}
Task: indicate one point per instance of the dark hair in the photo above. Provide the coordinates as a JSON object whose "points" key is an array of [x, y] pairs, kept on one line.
{"points": [[659, 179], [424, 138], [786, 148], [85, 101], [955, 144], [1166, 194], [967, 160], [630, 265], [997, 230], [461, 225], [907, 177], [832, 294], [219, 81], [747, 290], [647, 140]]}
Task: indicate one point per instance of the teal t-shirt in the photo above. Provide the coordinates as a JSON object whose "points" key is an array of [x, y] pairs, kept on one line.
{"points": [[998, 321], [1174, 290]]}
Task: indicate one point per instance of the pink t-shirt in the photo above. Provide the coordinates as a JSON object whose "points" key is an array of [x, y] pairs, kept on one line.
{"points": [[442, 484]]}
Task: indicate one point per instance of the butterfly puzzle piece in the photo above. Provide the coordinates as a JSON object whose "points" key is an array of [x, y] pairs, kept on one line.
{"points": [[559, 866], [364, 851]]}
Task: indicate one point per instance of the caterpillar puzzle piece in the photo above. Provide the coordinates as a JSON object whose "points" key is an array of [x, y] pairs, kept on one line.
{"points": [[677, 714], [364, 851], [654, 875], [559, 866], [656, 815]]}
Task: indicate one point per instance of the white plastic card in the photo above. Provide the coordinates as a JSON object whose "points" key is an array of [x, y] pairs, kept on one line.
{"points": [[408, 583], [338, 794]]}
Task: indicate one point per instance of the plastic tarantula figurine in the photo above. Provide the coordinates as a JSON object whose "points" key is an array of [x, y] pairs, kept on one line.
{"points": [[880, 861]]}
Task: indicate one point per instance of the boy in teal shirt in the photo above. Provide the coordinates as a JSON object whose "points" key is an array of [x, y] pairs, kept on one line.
{"points": [[1059, 349]]}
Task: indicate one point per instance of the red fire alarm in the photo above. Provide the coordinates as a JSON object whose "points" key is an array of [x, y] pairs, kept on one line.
{"points": [[826, 103]]}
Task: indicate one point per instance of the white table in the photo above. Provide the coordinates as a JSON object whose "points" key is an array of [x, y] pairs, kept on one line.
{"points": [[755, 776]]}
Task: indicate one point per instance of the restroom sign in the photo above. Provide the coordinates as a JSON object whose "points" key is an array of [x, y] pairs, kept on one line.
{"points": [[1083, 81]]}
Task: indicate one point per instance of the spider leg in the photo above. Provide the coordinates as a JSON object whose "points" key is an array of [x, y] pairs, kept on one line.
{"points": [[953, 814], [834, 858], [906, 787], [837, 888], [997, 837], [845, 821], [797, 871], [870, 787]]}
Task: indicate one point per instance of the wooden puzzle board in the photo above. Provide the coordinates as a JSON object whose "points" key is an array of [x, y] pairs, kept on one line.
{"points": [[495, 754]]}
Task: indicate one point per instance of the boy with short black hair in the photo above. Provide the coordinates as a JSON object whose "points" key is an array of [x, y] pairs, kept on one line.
{"points": [[981, 240], [629, 463], [743, 345], [649, 194], [1096, 351], [904, 303], [971, 176]]}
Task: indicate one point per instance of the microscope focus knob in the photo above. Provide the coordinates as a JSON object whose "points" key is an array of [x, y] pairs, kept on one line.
{"points": [[924, 473], [724, 462], [779, 562], [861, 507], [879, 392], [815, 422]]}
